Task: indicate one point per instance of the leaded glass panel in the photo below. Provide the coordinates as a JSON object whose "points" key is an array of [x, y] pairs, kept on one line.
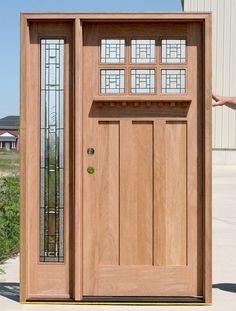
{"points": [[112, 81], [173, 80], [143, 51], [173, 51], [52, 151], [142, 81], [112, 51]]}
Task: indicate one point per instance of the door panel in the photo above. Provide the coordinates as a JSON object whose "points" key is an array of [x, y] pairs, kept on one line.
{"points": [[142, 207], [136, 205], [108, 192]]}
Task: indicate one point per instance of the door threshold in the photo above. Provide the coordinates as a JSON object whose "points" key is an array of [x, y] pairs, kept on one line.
{"points": [[126, 300]]}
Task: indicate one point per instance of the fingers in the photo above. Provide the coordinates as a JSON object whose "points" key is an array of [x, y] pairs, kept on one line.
{"points": [[218, 103], [216, 97]]}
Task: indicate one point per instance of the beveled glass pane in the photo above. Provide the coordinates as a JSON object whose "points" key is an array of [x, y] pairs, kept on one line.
{"points": [[112, 81], [173, 81], [143, 51], [52, 150], [112, 51], [142, 81], [173, 51]]}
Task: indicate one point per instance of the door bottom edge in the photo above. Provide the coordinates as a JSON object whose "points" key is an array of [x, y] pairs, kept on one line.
{"points": [[125, 300]]}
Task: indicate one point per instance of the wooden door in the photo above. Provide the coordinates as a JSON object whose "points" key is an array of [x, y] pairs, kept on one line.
{"points": [[142, 186]]}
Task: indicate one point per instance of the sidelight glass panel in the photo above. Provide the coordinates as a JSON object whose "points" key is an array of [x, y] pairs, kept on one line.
{"points": [[52, 151]]}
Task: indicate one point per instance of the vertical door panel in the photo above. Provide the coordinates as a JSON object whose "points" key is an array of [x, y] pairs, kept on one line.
{"points": [[136, 193], [108, 192], [176, 216]]}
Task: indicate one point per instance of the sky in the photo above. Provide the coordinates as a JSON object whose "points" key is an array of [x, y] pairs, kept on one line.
{"points": [[10, 34]]}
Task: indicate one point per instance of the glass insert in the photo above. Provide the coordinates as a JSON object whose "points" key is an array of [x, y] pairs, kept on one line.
{"points": [[52, 151], [112, 81], [112, 51], [142, 81], [173, 51], [143, 51], [173, 80]]}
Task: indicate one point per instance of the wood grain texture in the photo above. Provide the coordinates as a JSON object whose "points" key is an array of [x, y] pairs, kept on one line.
{"points": [[176, 192], [160, 178], [24, 43], [123, 217], [45, 279], [207, 156], [136, 193], [108, 191]]}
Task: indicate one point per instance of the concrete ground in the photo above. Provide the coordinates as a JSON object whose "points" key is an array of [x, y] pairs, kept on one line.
{"points": [[224, 258]]}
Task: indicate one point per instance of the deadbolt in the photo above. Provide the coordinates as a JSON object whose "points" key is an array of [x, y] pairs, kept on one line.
{"points": [[90, 151]]}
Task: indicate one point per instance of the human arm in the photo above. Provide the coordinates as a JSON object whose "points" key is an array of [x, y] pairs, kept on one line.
{"points": [[224, 101]]}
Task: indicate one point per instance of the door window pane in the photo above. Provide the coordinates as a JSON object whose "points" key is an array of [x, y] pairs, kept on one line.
{"points": [[52, 151], [173, 51], [143, 51], [142, 81], [112, 81], [173, 80], [112, 51]]}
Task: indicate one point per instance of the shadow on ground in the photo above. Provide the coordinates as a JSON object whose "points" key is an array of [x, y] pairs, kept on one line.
{"points": [[10, 290], [228, 287]]}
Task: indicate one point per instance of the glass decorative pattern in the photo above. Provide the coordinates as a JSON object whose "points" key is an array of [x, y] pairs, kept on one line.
{"points": [[112, 81], [143, 51], [112, 51], [173, 51], [52, 151], [142, 81], [173, 80]]}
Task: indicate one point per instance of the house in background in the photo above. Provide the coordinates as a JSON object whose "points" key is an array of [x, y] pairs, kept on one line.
{"points": [[9, 133]]}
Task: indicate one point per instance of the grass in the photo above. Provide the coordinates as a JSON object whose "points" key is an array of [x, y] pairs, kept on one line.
{"points": [[9, 162], [9, 204]]}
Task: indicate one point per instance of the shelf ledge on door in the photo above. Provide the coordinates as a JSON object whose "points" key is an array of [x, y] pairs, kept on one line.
{"points": [[136, 101]]}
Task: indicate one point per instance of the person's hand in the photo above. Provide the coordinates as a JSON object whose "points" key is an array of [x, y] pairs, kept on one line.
{"points": [[222, 100]]}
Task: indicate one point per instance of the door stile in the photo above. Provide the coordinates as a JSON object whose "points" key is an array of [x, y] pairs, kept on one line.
{"points": [[78, 168]]}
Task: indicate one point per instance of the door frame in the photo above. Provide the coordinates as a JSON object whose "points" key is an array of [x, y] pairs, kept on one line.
{"points": [[76, 20]]}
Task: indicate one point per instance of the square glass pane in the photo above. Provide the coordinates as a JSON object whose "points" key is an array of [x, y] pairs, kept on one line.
{"points": [[173, 81], [143, 51], [112, 81], [173, 51], [112, 51], [142, 81]]}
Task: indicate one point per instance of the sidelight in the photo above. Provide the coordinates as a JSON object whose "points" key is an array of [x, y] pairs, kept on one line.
{"points": [[52, 151]]}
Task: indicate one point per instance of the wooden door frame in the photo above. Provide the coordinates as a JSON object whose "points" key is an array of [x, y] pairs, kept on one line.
{"points": [[77, 19]]}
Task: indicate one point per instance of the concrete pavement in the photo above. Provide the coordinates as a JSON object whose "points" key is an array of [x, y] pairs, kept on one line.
{"points": [[224, 258]]}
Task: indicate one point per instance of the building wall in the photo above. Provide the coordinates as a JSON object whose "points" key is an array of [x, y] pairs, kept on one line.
{"points": [[224, 73]]}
